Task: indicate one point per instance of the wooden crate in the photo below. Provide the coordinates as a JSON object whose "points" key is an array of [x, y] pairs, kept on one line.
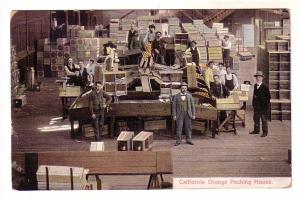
{"points": [[73, 91], [151, 125], [97, 146], [59, 177], [232, 102], [143, 141], [276, 45], [198, 125], [88, 130], [124, 141]]}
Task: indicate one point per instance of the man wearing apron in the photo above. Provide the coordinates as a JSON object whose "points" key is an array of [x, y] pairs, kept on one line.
{"points": [[231, 81]]}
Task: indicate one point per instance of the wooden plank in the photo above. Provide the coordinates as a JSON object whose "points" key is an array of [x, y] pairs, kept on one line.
{"points": [[164, 162], [104, 162]]}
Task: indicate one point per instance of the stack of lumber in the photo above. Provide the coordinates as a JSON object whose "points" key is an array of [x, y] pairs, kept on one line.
{"points": [[59, 177], [14, 72]]}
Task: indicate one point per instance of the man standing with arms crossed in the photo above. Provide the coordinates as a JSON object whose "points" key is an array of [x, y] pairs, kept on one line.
{"points": [[183, 110]]}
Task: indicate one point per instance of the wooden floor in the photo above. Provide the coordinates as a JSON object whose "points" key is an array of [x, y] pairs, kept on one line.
{"points": [[36, 127]]}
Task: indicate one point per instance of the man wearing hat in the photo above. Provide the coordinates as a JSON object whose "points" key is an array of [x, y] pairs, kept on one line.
{"points": [[183, 110], [260, 103]]}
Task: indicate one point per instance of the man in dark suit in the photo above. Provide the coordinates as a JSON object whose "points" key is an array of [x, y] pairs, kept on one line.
{"points": [[260, 103], [183, 110]]}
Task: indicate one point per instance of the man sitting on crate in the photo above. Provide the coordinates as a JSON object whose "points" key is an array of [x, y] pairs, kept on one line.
{"points": [[183, 110], [99, 100], [260, 103]]}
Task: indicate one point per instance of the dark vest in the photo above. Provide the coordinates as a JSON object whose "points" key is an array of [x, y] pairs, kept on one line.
{"points": [[130, 35], [72, 69], [184, 104], [195, 55], [229, 83]]}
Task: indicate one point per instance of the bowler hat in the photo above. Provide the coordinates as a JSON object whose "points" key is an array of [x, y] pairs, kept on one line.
{"points": [[193, 41], [184, 84], [259, 73]]}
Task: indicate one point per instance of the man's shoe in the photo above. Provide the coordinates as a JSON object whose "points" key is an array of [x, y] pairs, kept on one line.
{"points": [[263, 135], [177, 143], [254, 132], [189, 142]]}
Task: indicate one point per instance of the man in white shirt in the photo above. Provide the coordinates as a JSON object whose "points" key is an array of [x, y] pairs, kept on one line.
{"points": [[226, 47], [231, 80], [221, 72], [91, 67]]}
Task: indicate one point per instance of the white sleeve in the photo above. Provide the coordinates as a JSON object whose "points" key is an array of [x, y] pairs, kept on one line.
{"points": [[146, 38], [229, 45], [235, 81]]}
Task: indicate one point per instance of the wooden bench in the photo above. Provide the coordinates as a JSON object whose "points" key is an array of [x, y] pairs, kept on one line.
{"points": [[153, 163]]}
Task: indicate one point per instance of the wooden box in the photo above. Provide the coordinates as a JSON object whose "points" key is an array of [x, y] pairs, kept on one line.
{"points": [[20, 101], [155, 125], [143, 141], [198, 125], [124, 141], [97, 146], [229, 103], [88, 130], [59, 177], [73, 91]]}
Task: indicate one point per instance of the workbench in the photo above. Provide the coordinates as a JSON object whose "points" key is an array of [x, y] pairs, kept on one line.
{"points": [[135, 108], [66, 94]]}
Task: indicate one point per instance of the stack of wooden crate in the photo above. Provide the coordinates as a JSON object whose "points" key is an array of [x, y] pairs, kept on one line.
{"points": [[14, 72], [115, 83], [59, 177], [199, 24], [114, 25], [271, 30], [173, 26], [286, 27], [274, 61], [72, 30], [171, 81]]}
